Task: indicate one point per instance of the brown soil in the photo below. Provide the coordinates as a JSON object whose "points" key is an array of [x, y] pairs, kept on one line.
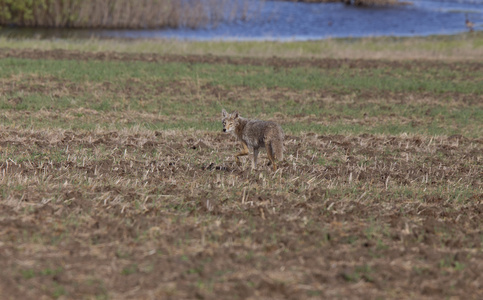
{"points": [[137, 215]]}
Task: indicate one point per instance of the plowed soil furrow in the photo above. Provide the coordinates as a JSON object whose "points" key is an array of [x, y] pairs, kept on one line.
{"points": [[169, 214]]}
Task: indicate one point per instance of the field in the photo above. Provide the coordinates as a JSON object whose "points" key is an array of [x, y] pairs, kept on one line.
{"points": [[117, 182]]}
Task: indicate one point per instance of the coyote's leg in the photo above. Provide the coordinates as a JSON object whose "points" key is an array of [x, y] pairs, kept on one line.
{"points": [[254, 160], [270, 156], [242, 153]]}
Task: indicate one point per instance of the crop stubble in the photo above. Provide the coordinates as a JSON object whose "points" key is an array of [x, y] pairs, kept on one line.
{"points": [[138, 213]]}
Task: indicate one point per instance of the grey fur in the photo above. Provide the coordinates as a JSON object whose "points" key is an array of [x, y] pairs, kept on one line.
{"points": [[255, 134]]}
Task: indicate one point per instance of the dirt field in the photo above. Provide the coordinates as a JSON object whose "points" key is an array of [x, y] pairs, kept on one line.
{"points": [[166, 214]]}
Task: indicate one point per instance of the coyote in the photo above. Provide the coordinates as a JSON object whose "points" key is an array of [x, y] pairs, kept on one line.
{"points": [[254, 134]]}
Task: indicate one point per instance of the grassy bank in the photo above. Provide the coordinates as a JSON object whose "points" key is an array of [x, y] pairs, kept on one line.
{"points": [[468, 46]]}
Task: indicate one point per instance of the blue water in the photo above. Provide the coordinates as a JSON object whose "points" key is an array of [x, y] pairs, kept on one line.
{"points": [[285, 21]]}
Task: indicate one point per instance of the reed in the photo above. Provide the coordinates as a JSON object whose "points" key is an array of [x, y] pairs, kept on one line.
{"points": [[128, 14]]}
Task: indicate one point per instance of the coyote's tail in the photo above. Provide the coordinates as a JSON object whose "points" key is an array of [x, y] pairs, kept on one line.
{"points": [[276, 148]]}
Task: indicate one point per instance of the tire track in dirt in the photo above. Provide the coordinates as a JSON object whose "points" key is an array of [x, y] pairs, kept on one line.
{"points": [[276, 62]]}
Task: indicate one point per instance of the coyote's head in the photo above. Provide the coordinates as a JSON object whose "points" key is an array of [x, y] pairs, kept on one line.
{"points": [[229, 120]]}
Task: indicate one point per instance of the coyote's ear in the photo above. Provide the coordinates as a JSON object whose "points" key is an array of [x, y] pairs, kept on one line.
{"points": [[235, 114], [224, 113]]}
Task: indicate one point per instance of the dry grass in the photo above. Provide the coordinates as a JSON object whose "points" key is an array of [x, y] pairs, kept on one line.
{"points": [[139, 214]]}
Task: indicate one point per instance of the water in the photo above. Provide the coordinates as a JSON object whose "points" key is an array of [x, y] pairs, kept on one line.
{"points": [[285, 21]]}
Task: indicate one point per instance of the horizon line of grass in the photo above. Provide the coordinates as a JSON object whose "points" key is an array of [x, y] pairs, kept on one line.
{"points": [[436, 80], [384, 127]]}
